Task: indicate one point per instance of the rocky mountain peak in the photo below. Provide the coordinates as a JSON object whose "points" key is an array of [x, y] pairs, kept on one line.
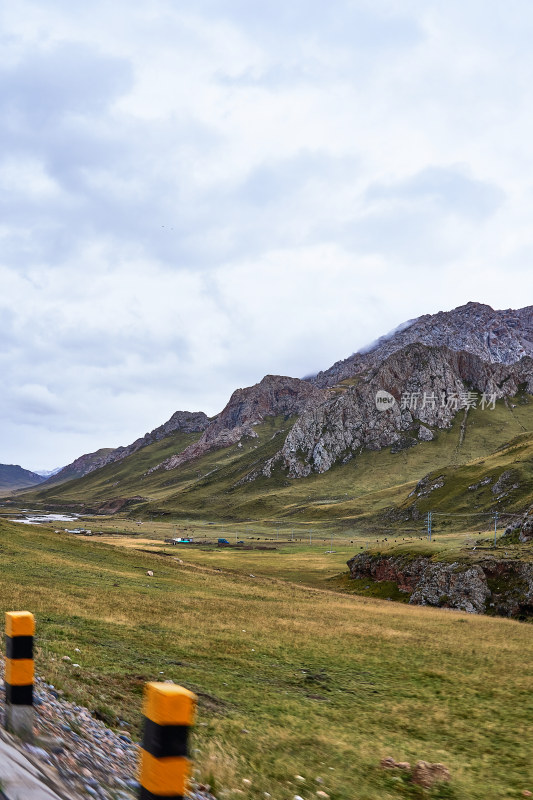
{"points": [[272, 396], [179, 422], [429, 387], [495, 336]]}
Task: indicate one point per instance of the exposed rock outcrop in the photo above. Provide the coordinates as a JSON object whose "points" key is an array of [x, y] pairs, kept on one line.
{"points": [[526, 529], [495, 336], [405, 572], [272, 396], [452, 585], [429, 381], [496, 586]]}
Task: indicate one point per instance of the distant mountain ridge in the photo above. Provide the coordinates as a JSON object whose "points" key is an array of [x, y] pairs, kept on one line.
{"points": [[180, 421], [13, 476], [333, 416]]}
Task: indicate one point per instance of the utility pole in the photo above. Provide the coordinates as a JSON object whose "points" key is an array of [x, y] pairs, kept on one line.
{"points": [[495, 526]]}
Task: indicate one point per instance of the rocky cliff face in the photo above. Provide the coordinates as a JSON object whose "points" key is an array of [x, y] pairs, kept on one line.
{"points": [[495, 336], [429, 387], [272, 396], [523, 526], [493, 586]]}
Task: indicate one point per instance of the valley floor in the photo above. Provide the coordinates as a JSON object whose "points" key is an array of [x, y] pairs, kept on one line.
{"points": [[292, 679]]}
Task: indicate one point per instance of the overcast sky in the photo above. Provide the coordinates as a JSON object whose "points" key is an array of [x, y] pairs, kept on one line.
{"points": [[198, 192]]}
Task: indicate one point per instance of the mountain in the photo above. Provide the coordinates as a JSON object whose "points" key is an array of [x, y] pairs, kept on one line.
{"points": [[501, 337], [47, 473], [183, 421], [458, 386], [14, 477], [272, 396], [429, 385]]}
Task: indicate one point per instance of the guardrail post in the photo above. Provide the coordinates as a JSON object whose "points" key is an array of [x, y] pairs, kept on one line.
{"points": [[169, 712], [19, 673]]}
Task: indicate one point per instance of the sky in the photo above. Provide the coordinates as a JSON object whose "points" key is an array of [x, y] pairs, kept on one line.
{"points": [[197, 193]]}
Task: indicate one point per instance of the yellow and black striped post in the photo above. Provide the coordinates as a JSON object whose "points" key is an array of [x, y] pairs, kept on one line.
{"points": [[169, 712], [20, 628]]}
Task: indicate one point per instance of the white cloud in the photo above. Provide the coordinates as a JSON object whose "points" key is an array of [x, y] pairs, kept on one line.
{"points": [[195, 194]]}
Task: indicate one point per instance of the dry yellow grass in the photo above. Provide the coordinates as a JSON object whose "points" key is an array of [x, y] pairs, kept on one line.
{"points": [[325, 684]]}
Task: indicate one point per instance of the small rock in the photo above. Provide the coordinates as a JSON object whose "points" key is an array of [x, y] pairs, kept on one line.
{"points": [[247, 782], [150, 573], [319, 780], [426, 775], [66, 658], [297, 797], [322, 795], [37, 751], [300, 778]]}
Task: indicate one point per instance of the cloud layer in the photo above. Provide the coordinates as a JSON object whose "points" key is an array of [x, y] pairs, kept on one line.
{"points": [[196, 194]]}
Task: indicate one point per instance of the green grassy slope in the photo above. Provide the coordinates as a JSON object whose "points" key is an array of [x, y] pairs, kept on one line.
{"points": [[292, 680], [357, 491], [479, 486]]}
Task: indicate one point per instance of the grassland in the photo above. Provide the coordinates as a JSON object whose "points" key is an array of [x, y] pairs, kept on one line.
{"points": [[292, 679], [348, 495]]}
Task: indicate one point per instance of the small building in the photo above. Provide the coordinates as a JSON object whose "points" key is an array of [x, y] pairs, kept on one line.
{"points": [[179, 540]]}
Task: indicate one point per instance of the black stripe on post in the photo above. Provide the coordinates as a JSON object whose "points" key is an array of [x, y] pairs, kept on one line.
{"points": [[19, 647], [19, 695], [146, 795], [164, 740]]}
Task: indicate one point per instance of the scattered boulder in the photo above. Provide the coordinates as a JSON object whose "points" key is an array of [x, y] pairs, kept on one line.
{"points": [[150, 573], [424, 434], [427, 775], [483, 482]]}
